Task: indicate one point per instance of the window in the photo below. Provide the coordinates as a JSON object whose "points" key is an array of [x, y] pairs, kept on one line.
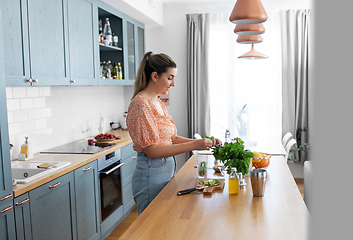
{"points": [[246, 95]]}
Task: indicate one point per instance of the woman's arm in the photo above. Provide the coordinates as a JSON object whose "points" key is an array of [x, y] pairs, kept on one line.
{"points": [[180, 145]]}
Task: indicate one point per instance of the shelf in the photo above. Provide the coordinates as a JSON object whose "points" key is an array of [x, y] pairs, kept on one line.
{"points": [[106, 48]]}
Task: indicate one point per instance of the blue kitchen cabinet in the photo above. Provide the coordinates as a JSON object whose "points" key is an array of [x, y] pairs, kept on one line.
{"points": [[135, 45], [23, 217], [15, 35], [7, 222], [128, 156], [53, 213], [87, 202], [83, 25], [36, 42]]}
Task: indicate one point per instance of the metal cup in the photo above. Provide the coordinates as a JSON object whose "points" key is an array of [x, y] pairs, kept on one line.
{"points": [[258, 181]]}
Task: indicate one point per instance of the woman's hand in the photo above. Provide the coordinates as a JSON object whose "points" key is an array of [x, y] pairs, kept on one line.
{"points": [[203, 144], [216, 141]]}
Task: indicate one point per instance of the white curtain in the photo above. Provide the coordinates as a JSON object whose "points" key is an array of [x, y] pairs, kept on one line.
{"points": [[245, 95]]}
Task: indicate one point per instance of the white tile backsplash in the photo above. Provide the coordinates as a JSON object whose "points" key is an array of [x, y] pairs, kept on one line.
{"points": [[52, 116], [19, 92], [26, 103]]}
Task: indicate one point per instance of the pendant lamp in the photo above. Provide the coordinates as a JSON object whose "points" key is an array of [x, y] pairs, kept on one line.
{"points": [[253, 54], [248, 12], [249, 39], [249, 29]]}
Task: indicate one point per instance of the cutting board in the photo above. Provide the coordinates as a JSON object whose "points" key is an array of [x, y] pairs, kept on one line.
{"points": [[209, 190], [113, 141]]}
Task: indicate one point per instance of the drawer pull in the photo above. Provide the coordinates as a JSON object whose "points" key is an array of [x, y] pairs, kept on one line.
{"points": [[29, 80], [6, 209], [6, 197], [23, 202], [87, 169], [134, 157], [35, 80], [55, 185]]}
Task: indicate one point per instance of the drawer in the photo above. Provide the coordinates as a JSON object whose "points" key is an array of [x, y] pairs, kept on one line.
{"points": [[127, 151]]}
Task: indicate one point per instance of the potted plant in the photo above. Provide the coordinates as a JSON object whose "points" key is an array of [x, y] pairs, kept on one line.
{"points": [[233, 154]]}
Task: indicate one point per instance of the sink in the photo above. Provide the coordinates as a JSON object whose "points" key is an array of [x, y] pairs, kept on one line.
{"points": [[24, 172]]}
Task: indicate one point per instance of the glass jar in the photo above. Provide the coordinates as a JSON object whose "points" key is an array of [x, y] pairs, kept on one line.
{"points": [[233, 181]]}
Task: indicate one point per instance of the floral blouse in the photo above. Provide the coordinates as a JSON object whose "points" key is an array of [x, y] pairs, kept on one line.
{"points": [[147, 126]]}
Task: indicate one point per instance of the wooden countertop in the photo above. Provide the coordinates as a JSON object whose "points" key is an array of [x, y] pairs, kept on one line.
{"points": [[280, 214], [76, 160]]}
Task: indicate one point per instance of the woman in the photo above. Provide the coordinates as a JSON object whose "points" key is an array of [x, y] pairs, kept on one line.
{"points": [[153, 131]]}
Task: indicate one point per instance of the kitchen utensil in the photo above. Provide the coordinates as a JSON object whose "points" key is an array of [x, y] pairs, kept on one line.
{"points": [[258, 181], [115, 125], [186, 191]]}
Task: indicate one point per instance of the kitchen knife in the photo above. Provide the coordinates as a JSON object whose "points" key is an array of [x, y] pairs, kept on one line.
{"points": [[189, 190]]}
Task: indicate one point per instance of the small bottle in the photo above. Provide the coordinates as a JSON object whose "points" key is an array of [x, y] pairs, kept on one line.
{"points": [[107, 33], [101, 70], [109, 74], [120, 71], [233, 181], [227, 136], [100, 30], [115, 40]]}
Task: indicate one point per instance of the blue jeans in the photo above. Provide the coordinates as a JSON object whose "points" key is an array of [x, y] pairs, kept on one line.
{"points": [[150, 177]]}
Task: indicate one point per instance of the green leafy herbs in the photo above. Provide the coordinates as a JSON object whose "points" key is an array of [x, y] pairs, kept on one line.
{"points": [[202, 168], [233, 154], [211, 138]]}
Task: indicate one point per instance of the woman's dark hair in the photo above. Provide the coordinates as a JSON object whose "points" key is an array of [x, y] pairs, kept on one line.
{"points": [[151, 63]]}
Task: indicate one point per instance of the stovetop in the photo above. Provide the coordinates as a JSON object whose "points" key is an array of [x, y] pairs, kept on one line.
{"points": [[75, 148]]}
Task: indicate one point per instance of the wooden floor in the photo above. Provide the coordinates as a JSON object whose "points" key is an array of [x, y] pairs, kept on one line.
{"points": [[121, 228]]}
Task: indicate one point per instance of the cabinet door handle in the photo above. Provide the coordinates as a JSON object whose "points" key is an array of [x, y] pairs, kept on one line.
{"points": [[23, 202], [6, 197], [29, 80], [87, 169], [6, 209], [73, 81], [55, 185], [35, 80], [134, 157]]}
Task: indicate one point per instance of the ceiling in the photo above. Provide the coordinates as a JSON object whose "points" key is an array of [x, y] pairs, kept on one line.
{"points": [[225, 5]]}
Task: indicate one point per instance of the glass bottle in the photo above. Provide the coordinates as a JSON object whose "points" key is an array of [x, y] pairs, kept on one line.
{"points": [[107, 32], [233, 181], [227, 136], [120, 71], [101, 70], [100, 30]]}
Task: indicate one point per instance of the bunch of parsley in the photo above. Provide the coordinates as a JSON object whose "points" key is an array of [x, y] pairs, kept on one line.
{"points": [[233, 154]]}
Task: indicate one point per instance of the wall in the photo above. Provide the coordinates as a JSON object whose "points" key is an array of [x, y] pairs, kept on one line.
{"points": [[172, 40], [52, 116]]}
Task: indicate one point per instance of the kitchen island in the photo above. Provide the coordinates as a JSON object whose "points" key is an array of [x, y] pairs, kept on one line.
{"points": [[280, 214]]}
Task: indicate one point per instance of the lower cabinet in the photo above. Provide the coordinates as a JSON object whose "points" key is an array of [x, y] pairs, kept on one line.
{"points": [[87, 202], [23, 217], [7, 226], [129, 159], [52, 206]]}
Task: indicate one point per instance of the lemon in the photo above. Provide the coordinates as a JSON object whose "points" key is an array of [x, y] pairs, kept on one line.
{"points": [[257, 157]]}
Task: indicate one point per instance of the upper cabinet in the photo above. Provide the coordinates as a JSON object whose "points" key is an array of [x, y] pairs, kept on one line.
{"points": [[57, 43], [36, 46], [82, 42]]}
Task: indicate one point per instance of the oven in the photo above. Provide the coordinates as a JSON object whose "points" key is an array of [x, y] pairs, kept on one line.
{"points": [[110, 187]]}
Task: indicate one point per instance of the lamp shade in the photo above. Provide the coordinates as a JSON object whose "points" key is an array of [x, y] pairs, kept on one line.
{"points": [[248, 12], [249, 39], [249, 29], [253, 54]]}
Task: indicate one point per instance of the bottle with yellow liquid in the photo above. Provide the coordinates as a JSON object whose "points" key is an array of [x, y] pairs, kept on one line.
{"points": [[233, 181]]}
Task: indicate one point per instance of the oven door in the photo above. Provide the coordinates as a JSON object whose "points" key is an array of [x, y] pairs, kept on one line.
{"points": [[110, 189]]}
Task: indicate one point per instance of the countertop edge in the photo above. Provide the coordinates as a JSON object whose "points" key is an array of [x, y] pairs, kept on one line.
{"points": [[20, 189]]}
